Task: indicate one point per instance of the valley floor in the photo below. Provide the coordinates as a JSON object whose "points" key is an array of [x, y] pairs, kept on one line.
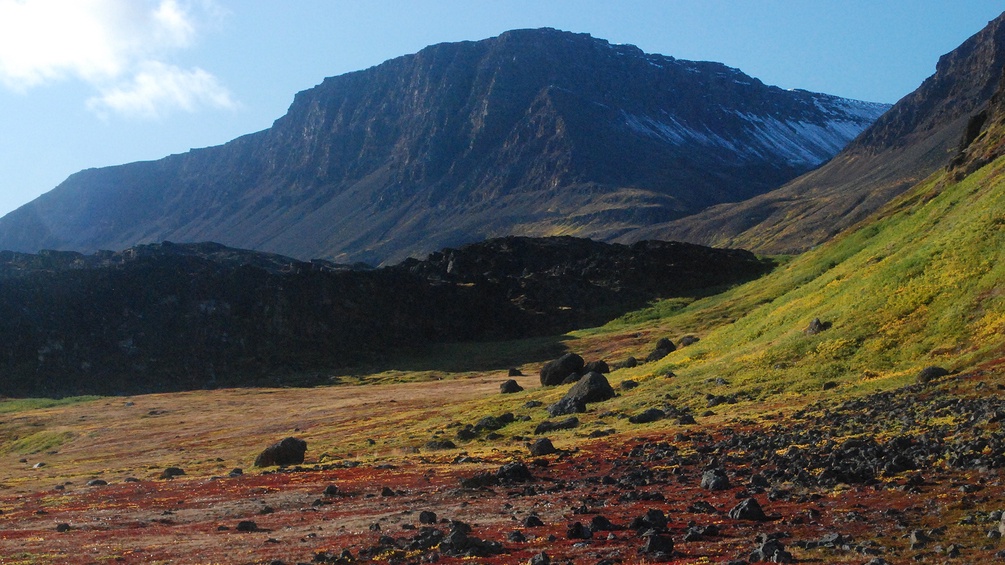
{"points": [[827, 477]]}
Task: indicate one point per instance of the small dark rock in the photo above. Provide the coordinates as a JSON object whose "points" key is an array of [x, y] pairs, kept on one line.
{"points": [[650, 415], [62, 528], [715, 479], [510, 387], [549, 426], [97, 483], [440, 444], [566, 406], [542, 446], [749, 509], [597, 367], [628, 384], [688, 340], [247, 526], [578, 531], [427, 517], [289, 451], [514, 372], [816, 326], [540, 559], [658, 544], [172, 472], [663, 348], [593, 387], [331, 490], [929, 374]]}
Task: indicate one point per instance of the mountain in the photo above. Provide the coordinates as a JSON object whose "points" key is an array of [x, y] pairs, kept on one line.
{"points": [[918, 136], [533, 132], [188, 316]]}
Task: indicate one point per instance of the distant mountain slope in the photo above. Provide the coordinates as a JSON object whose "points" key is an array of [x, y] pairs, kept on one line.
{"points": [[534, 132], [916, 137]]}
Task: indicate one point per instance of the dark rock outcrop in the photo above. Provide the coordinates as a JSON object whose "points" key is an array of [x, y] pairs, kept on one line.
{"points": [[510, 387], [593, 387]]}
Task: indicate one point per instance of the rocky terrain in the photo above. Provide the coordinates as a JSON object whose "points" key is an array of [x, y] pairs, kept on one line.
{"points": [[191, 316], [534, 132]]}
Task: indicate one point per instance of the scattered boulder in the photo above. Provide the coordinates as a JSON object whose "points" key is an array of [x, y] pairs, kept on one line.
{"points": [[830, 385], [97, 483], [515, 472], [247, 526], [532, 521], [540, 559], [597, 367], [929, 374], [650, 415], [748, 509], [688, 340], [628, 384], [566, 406], [816, 326], [510, 387], [549, 426], [627, 363], [330, 491], [542, 446], [554, 372], [427, 517], [63, 527], [172, 472], [658, 547], [593, 387], [578, 531], [770, 549], [715, 479], [439, 444], [514, 372], [289, 451], [572, 378], [663, 348]]}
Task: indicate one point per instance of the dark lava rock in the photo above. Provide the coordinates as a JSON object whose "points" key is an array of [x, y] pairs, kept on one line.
{"points": [[289, 451], [929, 374], [593, 387], [749, 509], [628, 384], [514, 372], [97, 483], [172, 472], [516, 536], [387, 491], [440, 444], [653, 519], [770, 550], [540, 559], [489, 423], [627, 363], [549, 426], [578, 531], [658, 546], [597, 367], [515, 472], [663, 348], [466, 433], [554, 372], [572, 378], [715, 479], [602, 524], [542, 446], [427, 517], [510, 387], [650, 415], [830, 385], [566, 406], [331, 490], [687, 340], [532, 521], [816, 326], [62, 528], [533, 404], [247, 526]]}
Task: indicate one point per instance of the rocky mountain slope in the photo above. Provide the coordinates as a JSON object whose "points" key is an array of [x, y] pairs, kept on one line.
{"points": [[534, 132], [191, 316], [920, 134]]}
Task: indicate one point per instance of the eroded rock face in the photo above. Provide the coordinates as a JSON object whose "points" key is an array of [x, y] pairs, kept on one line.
{"points": [[289, 451]]}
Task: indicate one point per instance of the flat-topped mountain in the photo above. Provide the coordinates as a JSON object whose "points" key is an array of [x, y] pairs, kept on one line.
{"points": [[533, 132]]}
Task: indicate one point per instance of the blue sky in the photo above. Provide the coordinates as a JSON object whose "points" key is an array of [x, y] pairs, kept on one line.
{"points": [[92, 83]]}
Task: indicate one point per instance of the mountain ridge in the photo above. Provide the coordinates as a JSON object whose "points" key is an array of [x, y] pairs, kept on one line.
{"points": [[916, 137], [534, 132]]}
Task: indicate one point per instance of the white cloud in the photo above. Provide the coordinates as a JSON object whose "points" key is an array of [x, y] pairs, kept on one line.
{"points": [[119, 47], [158, 88]]}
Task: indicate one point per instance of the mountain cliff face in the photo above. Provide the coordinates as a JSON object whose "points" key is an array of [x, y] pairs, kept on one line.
{"points": [[918, 136], [534, 132]]}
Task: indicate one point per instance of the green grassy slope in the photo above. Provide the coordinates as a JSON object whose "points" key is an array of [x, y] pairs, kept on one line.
{"points": [[919, 285]]}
